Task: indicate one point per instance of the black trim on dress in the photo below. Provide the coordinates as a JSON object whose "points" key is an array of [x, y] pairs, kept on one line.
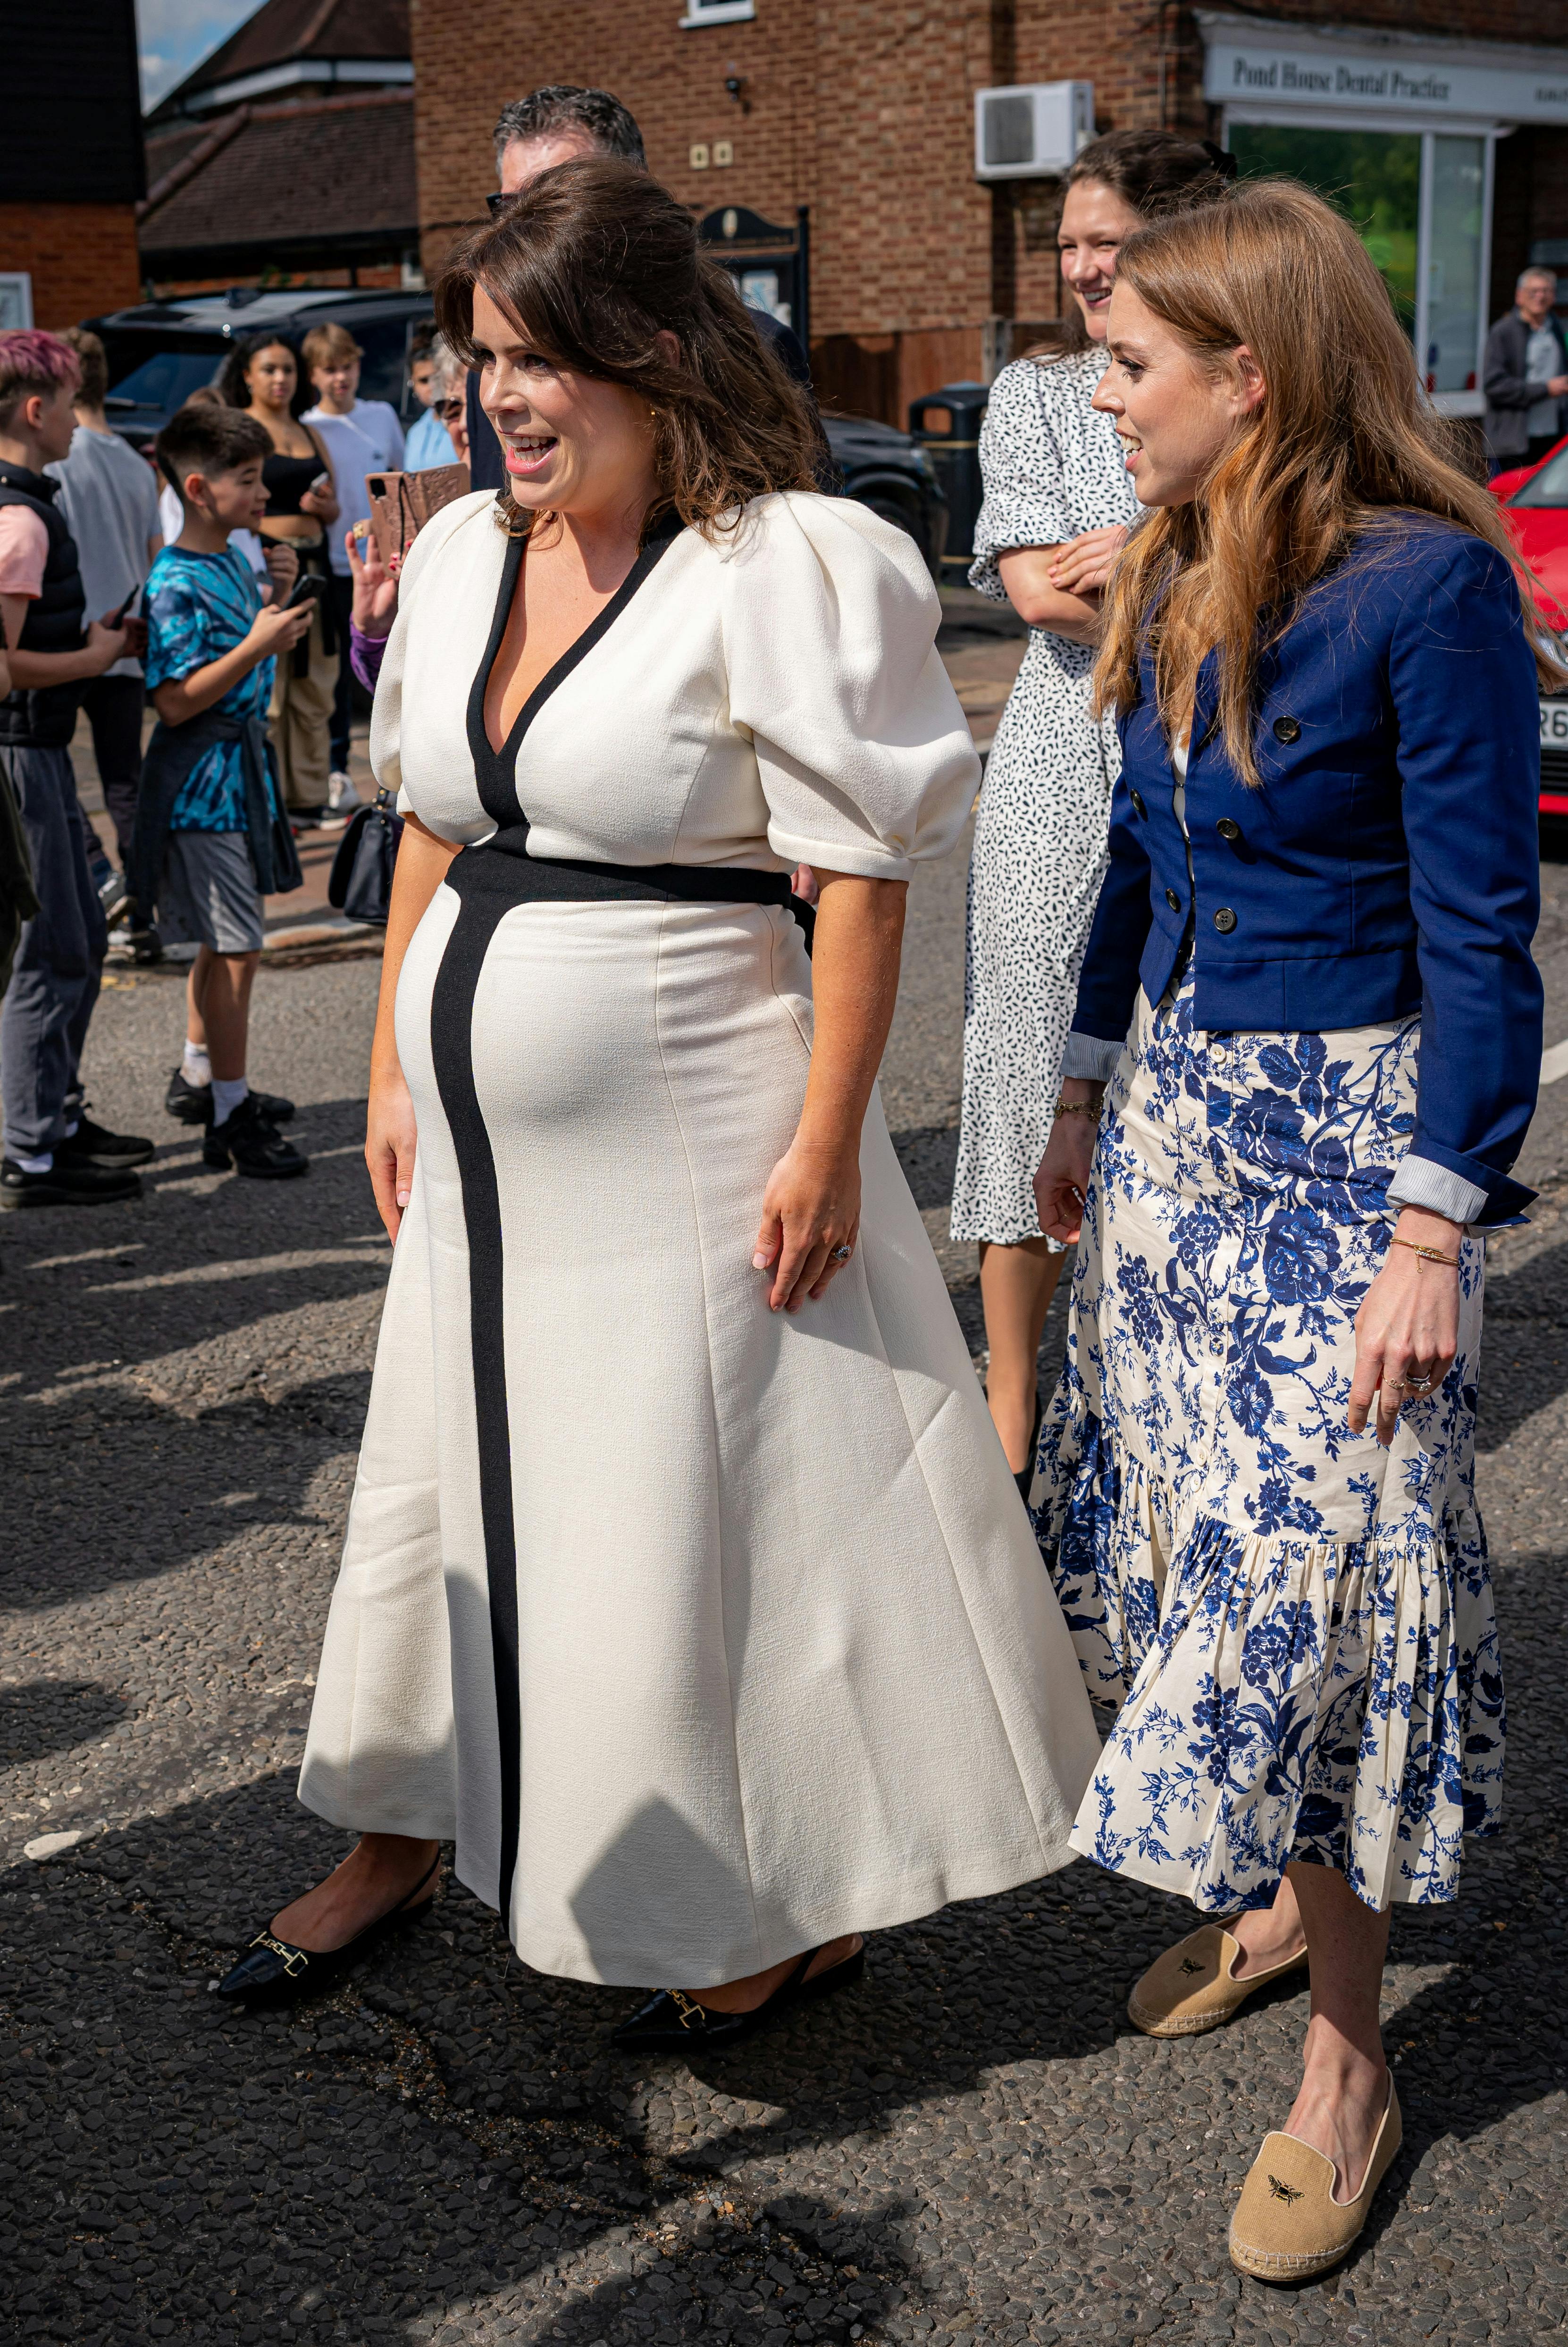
{"points": [[452, 1051], [495, 771]]}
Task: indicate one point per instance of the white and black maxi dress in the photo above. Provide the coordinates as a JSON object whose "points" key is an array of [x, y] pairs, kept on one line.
{"points": [[1053, 467], [707, 1632]]}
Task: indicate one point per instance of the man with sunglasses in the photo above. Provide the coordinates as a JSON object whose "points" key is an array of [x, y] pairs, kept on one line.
{"points": [[552, 125]]}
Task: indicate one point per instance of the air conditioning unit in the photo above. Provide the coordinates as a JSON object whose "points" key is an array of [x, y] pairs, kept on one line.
{"points": [[1032, 130]]}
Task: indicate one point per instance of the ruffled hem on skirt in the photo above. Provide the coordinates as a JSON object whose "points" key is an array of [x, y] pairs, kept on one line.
{"points": [[1280, 1697]]}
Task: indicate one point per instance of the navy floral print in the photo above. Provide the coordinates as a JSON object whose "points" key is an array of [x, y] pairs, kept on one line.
{"points": [[1294, 1625]]}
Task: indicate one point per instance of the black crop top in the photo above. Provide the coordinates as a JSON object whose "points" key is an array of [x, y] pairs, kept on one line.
{"points": [[286, 479]]}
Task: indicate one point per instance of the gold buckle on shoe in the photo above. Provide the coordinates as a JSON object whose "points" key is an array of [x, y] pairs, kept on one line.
{"points": [[294, 1959], [693, 2015]]}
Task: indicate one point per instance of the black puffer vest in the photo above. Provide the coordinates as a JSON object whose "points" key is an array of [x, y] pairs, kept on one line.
{"points": [[45, 719]]}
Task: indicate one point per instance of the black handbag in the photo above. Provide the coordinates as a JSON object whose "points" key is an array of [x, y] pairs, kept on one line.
{"points": [[361, 882]]}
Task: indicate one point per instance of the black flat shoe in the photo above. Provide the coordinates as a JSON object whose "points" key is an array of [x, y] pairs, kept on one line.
{"points": [[274, 1971], [1025, 1475], [673, 2023]]}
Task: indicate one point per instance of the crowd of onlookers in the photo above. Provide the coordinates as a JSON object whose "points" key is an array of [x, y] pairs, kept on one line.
{"points": [[213, 588]]}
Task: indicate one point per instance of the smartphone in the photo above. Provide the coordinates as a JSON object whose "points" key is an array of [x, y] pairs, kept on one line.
{"points": [[118, 618], [305, 589]]}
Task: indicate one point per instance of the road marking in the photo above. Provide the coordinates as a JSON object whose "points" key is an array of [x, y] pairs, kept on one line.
{"points": [[1555, 1063]]}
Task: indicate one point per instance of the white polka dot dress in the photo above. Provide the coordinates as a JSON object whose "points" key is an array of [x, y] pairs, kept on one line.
{"points": [[1052, 467]]}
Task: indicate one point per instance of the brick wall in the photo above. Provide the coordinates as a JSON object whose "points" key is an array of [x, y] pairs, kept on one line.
{"points": [[82, 257], [863, 109]]}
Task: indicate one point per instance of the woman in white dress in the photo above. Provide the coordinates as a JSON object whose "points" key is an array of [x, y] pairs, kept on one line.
{"points": [[1057, 506], [686, 1586]]}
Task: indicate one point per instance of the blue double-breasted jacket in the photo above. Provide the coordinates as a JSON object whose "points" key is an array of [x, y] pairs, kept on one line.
{"points": [[1388, 865]]}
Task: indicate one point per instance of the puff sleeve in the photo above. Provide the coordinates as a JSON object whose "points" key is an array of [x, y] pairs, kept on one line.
{"points": [[830, 627], [1023, 474]]}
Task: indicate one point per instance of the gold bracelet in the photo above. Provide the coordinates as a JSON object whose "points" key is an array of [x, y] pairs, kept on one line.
{"points": [[1429, 1255], [1078, 1108]]}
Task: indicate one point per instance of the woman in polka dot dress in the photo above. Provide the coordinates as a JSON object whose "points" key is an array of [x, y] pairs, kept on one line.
{"points": [[1057, 504]]}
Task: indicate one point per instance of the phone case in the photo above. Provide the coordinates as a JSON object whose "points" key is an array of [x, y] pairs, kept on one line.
{"points": [[402, 503]]}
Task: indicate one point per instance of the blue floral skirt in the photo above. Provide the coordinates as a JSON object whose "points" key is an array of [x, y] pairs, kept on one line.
{"points": [[1294, 1625]]}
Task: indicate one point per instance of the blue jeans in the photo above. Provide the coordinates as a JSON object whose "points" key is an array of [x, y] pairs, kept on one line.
{"points": [[55, 980]]}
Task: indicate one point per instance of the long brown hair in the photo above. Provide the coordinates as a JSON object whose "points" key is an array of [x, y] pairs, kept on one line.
{"points": [[593, 261], [1343, 444]]}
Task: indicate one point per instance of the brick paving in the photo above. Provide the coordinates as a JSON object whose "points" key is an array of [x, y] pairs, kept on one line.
{"points": [[974, 2146]]}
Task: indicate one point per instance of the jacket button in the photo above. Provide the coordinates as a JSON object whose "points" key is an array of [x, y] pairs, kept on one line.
{"points": [[1287, 729], [1228, 829], [1224, 920], [1138, 806], [1174, 901]]}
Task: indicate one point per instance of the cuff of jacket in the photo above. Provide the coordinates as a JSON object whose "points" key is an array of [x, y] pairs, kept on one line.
{"points": [[1090, 1057], [1445, 1182], [1419, 1182]]}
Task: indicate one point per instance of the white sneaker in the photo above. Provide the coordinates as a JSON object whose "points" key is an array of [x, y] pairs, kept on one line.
{"points": [[342, 797]]}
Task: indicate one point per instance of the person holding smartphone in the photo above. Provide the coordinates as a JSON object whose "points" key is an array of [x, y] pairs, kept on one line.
{"points": [[263, 376], [210, 841], [55, 1153]]}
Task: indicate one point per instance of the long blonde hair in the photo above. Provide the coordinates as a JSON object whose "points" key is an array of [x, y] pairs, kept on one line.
{"points": [[1343, 444]]}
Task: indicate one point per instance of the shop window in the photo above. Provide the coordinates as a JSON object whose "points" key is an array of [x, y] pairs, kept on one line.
{"points": [[1420, 201], [1373, 175], [1455, 276]]}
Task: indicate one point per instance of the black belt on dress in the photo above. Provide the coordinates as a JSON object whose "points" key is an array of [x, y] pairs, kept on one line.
{"points": [[507, 870]]}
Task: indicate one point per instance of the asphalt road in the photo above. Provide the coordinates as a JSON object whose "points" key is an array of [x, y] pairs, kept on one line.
{"points": [[973, 2146]]}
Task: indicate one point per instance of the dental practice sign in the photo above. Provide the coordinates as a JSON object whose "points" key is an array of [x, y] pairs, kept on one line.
{"points": [[1245, 73]]}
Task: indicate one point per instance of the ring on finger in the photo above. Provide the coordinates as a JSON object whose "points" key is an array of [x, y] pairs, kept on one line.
{"points": [[840, 1254]]}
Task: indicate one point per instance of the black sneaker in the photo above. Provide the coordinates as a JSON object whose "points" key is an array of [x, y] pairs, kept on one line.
{"points": [[65, 1184], [192, 1103], [146, 945], [254, 1145], [95, 1145]]}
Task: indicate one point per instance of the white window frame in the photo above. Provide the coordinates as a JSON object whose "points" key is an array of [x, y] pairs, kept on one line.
{"points": [[716, 12], [19, 283], [1304, 117]]}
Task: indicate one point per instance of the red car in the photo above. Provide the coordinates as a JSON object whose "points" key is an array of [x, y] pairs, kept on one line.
{"points": [[1535, 499]]}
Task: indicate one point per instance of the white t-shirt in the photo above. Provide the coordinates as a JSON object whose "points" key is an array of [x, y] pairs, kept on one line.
{"points": [[368, 441], [109, 498]]}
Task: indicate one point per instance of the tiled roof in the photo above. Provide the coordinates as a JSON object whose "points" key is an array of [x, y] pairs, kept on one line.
{"points": [[283, 30], [289, 173]]}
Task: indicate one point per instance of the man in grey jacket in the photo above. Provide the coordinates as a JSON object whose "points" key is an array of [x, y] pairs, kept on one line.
{"points": [[1524, 375]]}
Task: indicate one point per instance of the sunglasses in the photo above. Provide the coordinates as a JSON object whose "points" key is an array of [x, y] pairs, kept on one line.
{"points": [[448, 410], [496, 204]]}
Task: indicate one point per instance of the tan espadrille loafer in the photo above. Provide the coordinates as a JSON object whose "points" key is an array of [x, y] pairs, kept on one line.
{"points": [[1287, 2225], [1190, 1989]]}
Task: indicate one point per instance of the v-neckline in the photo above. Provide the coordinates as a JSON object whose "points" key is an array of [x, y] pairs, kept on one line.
{"points": [[498, 768]]}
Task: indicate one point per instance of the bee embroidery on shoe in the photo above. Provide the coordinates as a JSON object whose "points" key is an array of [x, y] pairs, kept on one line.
{"points": [[1286, 2192], [1190, 1964]]}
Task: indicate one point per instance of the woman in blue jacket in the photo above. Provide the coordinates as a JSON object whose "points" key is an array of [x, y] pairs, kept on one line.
{"points": [[1309, 989]]}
